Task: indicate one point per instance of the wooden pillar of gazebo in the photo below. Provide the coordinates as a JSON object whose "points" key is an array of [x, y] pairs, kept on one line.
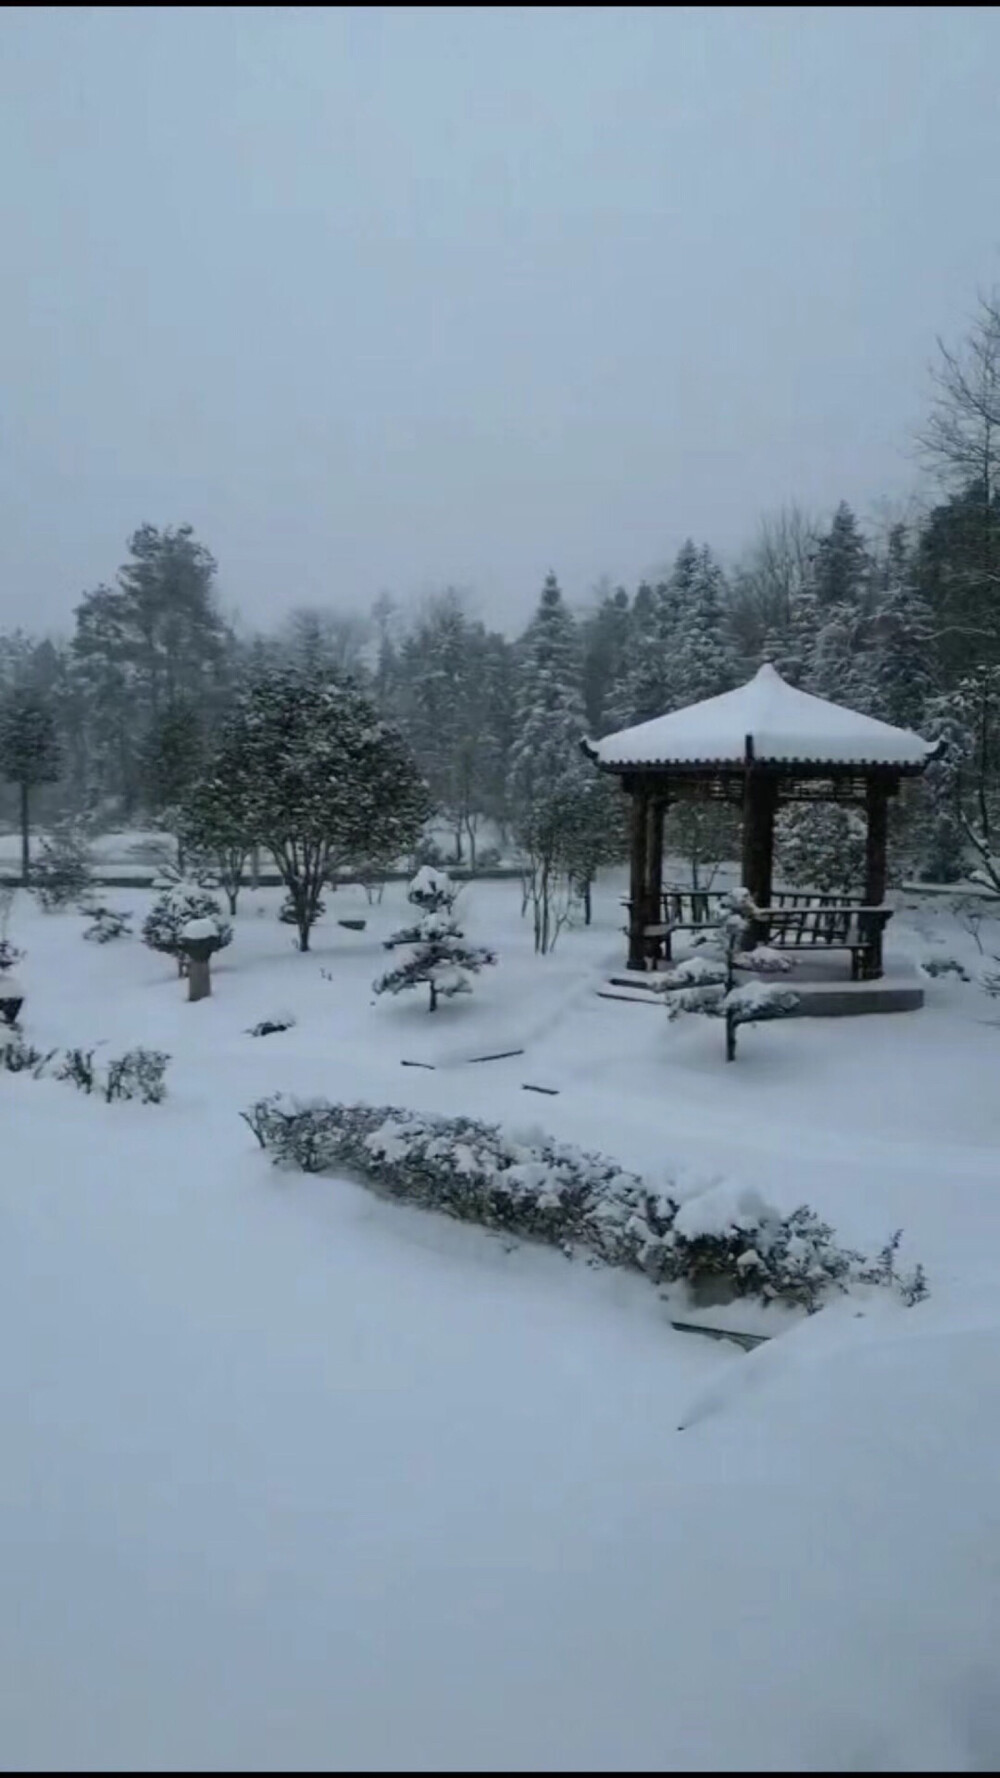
{"points": [[638, 870], [760, 804], [877, 812]]}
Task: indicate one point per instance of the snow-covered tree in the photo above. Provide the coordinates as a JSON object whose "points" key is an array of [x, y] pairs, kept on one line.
{"points": [[901, 666], [175, 907], [547, 770], [645, 683], [604, 635], [171, 762], [821, 846], [315, 776], [707, 983], [29, 755], [842, 567], [215, 823], [440, 956], [62, 870], [703, 664]]}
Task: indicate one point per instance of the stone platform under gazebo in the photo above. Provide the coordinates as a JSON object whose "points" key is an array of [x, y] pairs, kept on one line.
{"points": [[759, 748]]}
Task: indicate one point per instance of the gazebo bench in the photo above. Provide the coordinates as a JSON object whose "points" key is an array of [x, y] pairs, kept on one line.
{"points": [[830, 926]]}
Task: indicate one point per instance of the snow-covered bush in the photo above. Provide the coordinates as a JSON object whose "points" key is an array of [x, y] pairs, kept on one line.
{"points": [[18, 1056], [61, 872], [9, 955], [706, 983], [440, 956], [545, 1190], [821, 846], [935, 966], [106, 923], [289, 916], [176, 906], [266, 1027], [138, 1074]]}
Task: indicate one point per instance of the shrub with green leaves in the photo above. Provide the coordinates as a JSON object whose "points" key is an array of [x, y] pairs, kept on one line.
{"points": [[539, 1189]]}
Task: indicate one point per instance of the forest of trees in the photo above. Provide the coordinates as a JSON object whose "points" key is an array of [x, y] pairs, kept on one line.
{"points": [[118, 721]]}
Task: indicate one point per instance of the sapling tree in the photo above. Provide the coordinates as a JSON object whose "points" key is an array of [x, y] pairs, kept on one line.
{"points": [[439, 953], [706, 983]]}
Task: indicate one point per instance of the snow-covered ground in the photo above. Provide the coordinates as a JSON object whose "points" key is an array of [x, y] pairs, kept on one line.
{"points": [[294, 1477]]}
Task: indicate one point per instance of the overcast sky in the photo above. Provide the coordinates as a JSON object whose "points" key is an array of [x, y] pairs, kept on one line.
{"points": [[395, 297]]}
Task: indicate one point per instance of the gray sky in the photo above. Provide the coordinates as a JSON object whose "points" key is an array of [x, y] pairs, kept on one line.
{"points": [[393, 297]]}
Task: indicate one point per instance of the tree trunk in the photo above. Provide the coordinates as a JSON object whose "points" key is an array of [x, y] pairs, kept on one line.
{"points": [[304, 930], [587, 902], [434, 996], [255, 867], [231, 895], [25, 833]]}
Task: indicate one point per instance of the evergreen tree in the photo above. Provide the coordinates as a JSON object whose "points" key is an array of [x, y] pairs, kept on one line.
{"points": [[645, 685], [901, 668], [604, 638], [171, 762], [440, 955], [703, 664], [842, 566], [316, 777], [29, 755], [547, 768]]}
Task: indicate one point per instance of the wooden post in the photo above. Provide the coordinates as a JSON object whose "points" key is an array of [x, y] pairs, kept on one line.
{"points": [[877, 810], [760, 802], [637, 873], [654, 871]]}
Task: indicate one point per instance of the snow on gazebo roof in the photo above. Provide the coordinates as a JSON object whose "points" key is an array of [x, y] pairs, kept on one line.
{"points": [[784, 726]]}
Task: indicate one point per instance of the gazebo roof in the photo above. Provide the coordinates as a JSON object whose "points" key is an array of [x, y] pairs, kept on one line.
{"points": [[784, 727]]}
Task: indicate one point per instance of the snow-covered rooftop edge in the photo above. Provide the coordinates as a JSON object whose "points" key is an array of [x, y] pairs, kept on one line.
{"points": [[784, 725]]}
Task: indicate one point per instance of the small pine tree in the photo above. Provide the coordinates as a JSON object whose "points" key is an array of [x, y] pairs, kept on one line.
{"points": [[62, 868], [707, 982], [177, 904], [440, 955]]}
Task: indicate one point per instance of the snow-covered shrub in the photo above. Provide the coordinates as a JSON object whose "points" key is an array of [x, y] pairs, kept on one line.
{"points": [[440, 956], [935, 966], [138, 1074], [106, 923], [61, 872], [77, 1067], [545, 1190], [288, 913], [265, 1027], [177, 905], [821, 846], [9, 955], [18, 1056], [706, 982]]}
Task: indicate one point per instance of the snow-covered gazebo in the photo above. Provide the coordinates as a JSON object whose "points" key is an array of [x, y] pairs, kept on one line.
{"points": [[757, 747]]}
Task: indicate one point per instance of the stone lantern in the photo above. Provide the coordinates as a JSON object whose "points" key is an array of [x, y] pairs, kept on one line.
{"points": [[199, 939]]}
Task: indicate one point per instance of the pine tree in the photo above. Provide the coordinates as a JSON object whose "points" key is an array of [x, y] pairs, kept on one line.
{"points": [[842, 564], [901, 667], [605, 637], [171, 761], [646, 682], [315, 776], [440, 955], [29, 755], [703, 663], [547, 767]]}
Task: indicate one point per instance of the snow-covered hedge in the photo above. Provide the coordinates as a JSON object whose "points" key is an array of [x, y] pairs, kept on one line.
{"points": [[545, 1190]]}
